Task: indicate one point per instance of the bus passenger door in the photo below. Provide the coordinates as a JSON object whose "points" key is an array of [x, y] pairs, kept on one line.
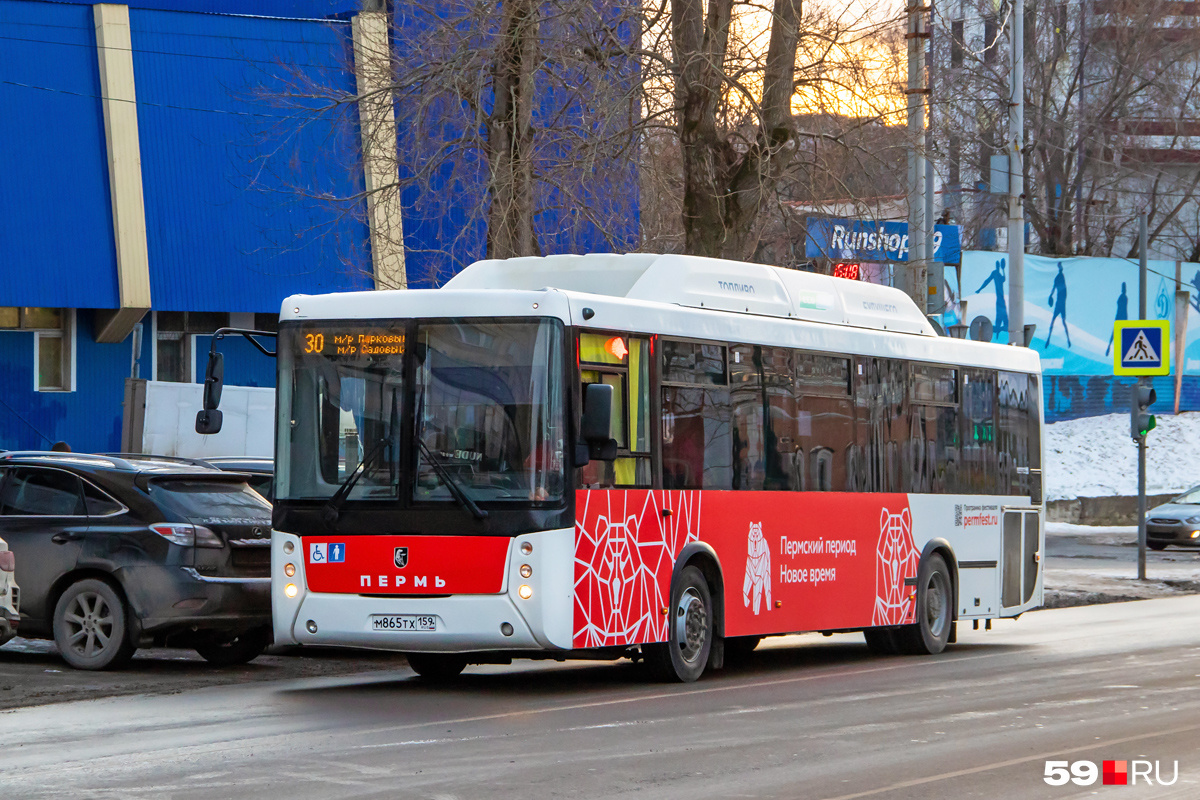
{"points": [[1021, 557], [623, 362]]}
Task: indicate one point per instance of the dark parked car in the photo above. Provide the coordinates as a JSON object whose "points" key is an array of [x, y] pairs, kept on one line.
{"points": [[1176, 522], [260, 470], [118, 553]]}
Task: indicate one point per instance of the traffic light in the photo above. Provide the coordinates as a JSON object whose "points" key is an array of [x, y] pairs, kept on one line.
{"points": [[1141, 421]]}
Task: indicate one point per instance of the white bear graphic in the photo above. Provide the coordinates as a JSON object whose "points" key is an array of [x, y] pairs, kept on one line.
{"points": [[758, 569]]}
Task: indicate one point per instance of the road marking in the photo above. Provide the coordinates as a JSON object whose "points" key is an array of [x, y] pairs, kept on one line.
{"points": [[1014, 762]]}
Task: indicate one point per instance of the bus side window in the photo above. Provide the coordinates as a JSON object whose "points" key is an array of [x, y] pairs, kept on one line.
{"points": [[622, 362], [697, 445], [1019, 449], [979, 432]]}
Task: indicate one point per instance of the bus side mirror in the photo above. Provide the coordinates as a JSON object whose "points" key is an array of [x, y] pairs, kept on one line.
{"points": [[209, 420], [597, 422], [214, 380]]}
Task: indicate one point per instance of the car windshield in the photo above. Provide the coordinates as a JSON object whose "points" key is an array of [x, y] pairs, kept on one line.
{"points": [[1189, 498], [485, 410]]}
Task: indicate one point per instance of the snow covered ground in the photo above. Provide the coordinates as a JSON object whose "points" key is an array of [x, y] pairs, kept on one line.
{"points": [[1094, 456]]}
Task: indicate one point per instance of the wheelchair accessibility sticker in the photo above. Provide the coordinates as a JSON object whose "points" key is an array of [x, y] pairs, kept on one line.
{"points": [[326, 553]]}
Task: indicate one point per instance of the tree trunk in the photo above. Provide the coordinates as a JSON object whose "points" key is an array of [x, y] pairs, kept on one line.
{"points": [[725, 186], [510, 133]]}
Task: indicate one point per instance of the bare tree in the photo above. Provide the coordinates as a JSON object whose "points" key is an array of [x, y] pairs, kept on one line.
{"points": [[515, 126], [535, 127], [1112, 95], [748, 104]]}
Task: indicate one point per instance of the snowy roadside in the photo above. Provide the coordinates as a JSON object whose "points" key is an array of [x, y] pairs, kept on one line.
{"points": [[1094, 457]]}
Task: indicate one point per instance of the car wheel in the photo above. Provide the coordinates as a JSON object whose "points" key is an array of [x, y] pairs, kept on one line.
{"points": [[437, 667], [935, 610], [1156, 546], [243, 648], [689, 631], [90, 626]]}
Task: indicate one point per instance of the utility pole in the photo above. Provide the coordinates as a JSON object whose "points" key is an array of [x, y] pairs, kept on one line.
{"points": [[1016, 178], [935, 302], [917, 280], [1138, 394]]}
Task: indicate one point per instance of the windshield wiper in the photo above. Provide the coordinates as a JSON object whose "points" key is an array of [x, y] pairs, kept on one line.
{"points": [[451, 482], [333, 506]]}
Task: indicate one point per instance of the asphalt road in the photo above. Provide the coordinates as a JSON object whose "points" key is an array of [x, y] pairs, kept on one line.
{"points": [[808, 717]]}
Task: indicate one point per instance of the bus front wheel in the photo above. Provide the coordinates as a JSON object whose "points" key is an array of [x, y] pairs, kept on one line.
{"points": [[935, 610], [684, 655], [436, 667]]}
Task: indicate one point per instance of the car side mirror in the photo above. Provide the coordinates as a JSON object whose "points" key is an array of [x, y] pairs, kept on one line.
{"points": [[596, 428], [214, 380]]}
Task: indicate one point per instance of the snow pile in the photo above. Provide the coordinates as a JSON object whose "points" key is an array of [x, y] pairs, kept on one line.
{"points": [[1094, 456]]}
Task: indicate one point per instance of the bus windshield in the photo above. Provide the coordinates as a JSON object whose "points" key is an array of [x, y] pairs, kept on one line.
{"points": [[484, 411]]}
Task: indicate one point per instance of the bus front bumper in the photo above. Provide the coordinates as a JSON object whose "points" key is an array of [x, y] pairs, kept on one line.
{"points": [[460, 622]]}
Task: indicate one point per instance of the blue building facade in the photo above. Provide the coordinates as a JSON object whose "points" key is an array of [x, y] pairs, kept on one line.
{"points": [[233, 185], [246, 183]]}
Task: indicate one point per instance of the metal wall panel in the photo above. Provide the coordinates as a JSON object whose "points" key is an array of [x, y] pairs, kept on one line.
{"points": [[56, 233], [299, 9], [233, 175], [89, 418]]}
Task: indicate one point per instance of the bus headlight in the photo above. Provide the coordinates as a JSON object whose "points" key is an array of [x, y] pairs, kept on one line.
{"points": [[290, 590], [526, 570], [525, 591], [288, 547], [289, 570]]}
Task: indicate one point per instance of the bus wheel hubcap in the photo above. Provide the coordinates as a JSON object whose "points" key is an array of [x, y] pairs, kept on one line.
{"points": [[935, 604], [691, 624]]}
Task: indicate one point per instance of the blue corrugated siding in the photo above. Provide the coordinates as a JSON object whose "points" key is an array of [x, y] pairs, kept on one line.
{"points": [[244, 364], [89, 418], [56, 237], [304, 9], [233, 180]]}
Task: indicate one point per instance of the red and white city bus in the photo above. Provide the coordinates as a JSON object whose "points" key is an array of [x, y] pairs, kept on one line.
{"points": [[650, 456]]}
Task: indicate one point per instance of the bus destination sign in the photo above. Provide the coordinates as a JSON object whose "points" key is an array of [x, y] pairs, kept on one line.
{"points": [[354, 343]]}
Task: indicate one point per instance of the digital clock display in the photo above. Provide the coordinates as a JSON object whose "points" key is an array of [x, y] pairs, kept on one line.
{"points": [[363, 342], [846, 269]]}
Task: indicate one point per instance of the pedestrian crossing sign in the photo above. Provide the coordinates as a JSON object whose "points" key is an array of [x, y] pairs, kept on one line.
{"points": [[1142, 347]]}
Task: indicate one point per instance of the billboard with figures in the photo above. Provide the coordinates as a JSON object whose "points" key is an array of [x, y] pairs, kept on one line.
{"points": [[1074, 303]]}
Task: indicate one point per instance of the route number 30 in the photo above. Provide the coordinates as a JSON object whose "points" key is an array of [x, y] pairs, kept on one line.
{"points": [[314, 342], [1081, 773]]}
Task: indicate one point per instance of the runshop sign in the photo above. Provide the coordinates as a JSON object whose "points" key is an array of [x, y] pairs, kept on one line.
{"points": [[864, 240]]}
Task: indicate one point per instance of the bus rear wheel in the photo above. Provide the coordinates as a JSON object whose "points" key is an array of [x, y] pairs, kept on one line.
{"points": [[935, 610], [684, 655], [435, 667]]}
